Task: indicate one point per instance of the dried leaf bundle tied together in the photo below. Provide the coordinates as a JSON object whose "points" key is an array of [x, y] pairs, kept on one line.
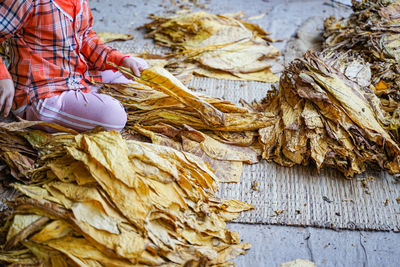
{"points": [[327, 117], [373, 33], [340, 108], [99, 200], [215, 46]]}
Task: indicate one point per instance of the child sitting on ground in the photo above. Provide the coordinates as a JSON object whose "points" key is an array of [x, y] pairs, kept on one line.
{"points": [[54, 54]]}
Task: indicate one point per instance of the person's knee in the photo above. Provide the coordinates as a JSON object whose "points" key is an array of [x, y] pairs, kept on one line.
{"points": [[114, 116]]}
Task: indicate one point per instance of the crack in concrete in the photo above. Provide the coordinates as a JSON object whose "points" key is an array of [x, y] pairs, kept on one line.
{"points": [[365, 263], [308, 244]]}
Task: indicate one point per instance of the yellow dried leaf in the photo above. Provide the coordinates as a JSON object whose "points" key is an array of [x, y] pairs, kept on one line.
{"points": [[82, 253], [54, 230], [36, 192], [109, 150], [221, 151], [243, 57], [231, 252], [382, 85], [236, 206], [91, 213], [226, 171], [22, 124], [111, 36], [23, 256], [19, 223], [161, 79], [260, 16], [134, 206], [47, 256], [78, 193], [128, 244], [166, 195]]}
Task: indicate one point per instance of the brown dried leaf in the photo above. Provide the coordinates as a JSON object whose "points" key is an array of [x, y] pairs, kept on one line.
{"points": [[327, 117]]}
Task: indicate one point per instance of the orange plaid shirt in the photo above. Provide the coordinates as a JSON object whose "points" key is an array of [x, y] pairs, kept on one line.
{"points": [[50, 51]]}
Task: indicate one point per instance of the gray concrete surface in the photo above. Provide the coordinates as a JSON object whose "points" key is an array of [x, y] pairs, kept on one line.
{"points": [[272, 245]]}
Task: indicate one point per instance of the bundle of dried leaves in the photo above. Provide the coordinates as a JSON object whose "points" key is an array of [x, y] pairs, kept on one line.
{"points": [[216, 46], [373, 32], [104, 201], [163, 110], [328, 116]]}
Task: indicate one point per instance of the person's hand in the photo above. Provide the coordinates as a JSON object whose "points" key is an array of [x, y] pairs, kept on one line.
{"points": [[7, 91], [136, 64]]}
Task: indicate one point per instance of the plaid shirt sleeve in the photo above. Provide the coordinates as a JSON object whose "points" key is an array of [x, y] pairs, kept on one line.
{"points": [[4, 74], [96, 52], [14, 14]]}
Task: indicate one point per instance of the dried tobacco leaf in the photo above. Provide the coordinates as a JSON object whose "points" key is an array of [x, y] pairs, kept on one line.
{"points": [[82, 253], [226, 171], [22, 257], [54, 230], [124, 217], [19, 223], [165, 82], [111, 36], [215, 46], [372, 32], [13, 240], [47, 256], [22, 124], [19, 164], [164, 109], [328, 118]]}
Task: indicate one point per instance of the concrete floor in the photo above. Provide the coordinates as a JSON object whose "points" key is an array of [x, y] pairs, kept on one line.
{"points": [[272, 245]]}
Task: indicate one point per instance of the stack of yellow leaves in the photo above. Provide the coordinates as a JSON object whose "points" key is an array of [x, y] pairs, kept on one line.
{"points": [[163, 110], [215, 46], [105, 201]]}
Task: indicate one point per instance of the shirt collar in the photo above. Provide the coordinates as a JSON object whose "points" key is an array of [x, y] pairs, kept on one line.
{"points": [[70, 8]]}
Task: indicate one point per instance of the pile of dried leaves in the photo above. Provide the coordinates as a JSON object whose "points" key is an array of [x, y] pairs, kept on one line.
{"points": [[373, 33], [216, 46], [340, 108], [328, 115], [95, 199], [164, 111]]}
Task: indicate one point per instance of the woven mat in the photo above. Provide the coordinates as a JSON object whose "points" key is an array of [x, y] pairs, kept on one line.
{"points": [[300, 196]]}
